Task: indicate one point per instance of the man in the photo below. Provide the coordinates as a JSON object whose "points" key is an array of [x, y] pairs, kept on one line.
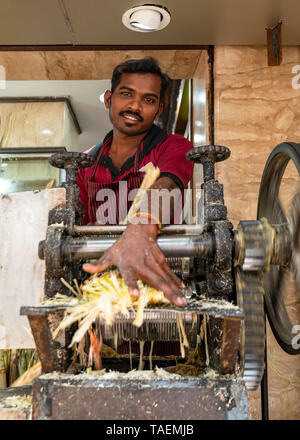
{"points": [[135, 102]]}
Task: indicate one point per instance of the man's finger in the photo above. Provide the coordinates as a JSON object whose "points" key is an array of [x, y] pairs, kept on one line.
{"points": [[172, 275], [131, 281], [104, 262], [170, 290], [164, 271], [161, 261]]}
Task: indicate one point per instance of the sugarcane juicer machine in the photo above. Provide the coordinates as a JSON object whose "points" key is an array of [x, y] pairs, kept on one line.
{"points": [[232, 277]]}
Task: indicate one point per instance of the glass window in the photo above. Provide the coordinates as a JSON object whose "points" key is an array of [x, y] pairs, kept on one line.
{"points": [[27, 172]]}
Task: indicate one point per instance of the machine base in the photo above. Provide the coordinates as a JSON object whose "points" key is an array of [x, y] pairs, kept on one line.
{"points": [[59, 396]]}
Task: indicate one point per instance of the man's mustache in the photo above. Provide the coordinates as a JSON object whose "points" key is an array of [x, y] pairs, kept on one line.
{"points": [[129, 112]]}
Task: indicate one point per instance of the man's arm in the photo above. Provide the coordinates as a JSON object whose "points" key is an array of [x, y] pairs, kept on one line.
{"points": [[138, 256]]}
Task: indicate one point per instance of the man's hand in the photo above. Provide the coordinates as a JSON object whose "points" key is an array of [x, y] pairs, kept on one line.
{"points": [[138, 256]]}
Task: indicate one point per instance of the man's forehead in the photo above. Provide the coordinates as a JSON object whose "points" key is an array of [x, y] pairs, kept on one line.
{"points": [[147, 81]]}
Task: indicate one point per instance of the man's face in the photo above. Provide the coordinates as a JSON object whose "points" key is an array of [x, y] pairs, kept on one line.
{"points": [[135, 103]]}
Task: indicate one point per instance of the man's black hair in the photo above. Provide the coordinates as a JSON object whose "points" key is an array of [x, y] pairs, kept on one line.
{"points": [[142, 65]]}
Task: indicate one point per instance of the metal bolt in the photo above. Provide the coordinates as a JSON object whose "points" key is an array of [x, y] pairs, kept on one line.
{"points": [[220, 283]]}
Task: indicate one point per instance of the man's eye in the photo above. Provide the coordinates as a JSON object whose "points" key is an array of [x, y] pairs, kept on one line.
{"points": [[125, 93], [150, 100]]}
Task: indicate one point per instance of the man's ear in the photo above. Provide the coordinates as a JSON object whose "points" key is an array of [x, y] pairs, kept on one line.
{"points": [[107, 98], [160, 109]]}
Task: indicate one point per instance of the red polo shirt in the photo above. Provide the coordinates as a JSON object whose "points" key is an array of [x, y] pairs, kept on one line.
{"points": [[165, 151]]}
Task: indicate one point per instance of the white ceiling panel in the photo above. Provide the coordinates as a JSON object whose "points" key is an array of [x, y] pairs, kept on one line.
{"points": [[194, 22], [30, 22]]}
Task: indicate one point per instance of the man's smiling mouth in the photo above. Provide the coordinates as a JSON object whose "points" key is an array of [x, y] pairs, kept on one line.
{"points": [[132, 117]]}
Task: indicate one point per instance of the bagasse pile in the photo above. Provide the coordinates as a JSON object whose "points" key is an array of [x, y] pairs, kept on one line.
{"points": [[103, 297], [17, 402]]}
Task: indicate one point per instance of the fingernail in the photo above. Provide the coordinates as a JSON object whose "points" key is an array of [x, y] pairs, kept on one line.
{"points": [[88, 268], [135, 293], [181, 301]]}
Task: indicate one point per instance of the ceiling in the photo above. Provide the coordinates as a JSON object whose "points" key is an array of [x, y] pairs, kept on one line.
{"points": [[194, 22]]}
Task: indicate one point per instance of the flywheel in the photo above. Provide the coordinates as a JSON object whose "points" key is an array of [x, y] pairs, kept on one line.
{"points": [[284, 273]]}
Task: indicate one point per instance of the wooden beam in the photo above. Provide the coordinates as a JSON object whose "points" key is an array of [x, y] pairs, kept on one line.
{"points": [[274, 45], [99, 47]]}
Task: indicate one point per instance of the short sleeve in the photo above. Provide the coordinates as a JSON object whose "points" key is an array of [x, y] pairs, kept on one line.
{"points": [[172, 162]]}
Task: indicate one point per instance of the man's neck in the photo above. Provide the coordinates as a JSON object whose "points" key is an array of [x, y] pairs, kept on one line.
{"points": [[123, 144], [123, 147]]}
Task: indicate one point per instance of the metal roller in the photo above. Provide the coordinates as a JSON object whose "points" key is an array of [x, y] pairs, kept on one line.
{"points": [[119, 229], [83, 248]]}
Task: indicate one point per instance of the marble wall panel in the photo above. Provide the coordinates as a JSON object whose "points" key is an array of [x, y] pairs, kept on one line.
{"points": [[91, 65], [31, 124], [37, 124], [283, 381], [256, 108]]}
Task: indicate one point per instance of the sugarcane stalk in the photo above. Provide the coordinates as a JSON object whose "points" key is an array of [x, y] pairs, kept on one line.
{"points": [[28, 376], [13, 366], [3, 382]]}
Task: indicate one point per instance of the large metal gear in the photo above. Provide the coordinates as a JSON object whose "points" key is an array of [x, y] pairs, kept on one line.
{"points": [[252, 255], [250, 299]]}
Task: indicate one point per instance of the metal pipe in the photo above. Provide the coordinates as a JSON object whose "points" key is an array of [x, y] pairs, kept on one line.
{"points": [[117, 229], [83, 248]]}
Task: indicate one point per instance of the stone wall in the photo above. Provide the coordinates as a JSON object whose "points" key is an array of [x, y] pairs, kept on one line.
{"points": [[91, 65], [36, 124]]}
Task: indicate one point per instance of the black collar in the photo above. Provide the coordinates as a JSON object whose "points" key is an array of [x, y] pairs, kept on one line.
{"points": [[154, 137]]}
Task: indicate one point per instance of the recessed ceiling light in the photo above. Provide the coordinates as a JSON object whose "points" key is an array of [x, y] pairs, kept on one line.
{"points": [[146, 18]]}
